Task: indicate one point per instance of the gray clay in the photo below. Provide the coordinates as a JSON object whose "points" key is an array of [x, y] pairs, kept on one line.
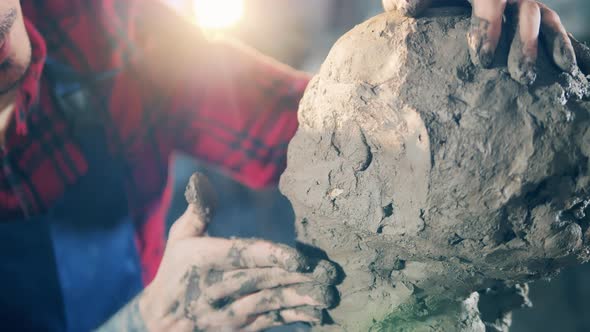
{"points": [[434, 183]]}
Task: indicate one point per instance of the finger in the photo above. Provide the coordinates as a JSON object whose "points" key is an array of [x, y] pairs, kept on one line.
{"points": [[190, 224], [558, 42], [222, 254], [523, 51], [486, 28], [200, 193], [201, 200], [200, 196], [410, 8], [582, 54], [288, 297], [236, 284], [307, 314]]}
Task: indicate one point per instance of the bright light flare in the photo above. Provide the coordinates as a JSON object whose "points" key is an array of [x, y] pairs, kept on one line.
{"points": [[218, 14]]}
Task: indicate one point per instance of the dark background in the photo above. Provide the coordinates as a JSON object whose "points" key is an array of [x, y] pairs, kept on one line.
{"points": [[300, 33]]}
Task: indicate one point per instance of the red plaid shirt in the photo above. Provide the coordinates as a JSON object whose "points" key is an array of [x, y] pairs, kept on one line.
{"points": [[240, 120]]}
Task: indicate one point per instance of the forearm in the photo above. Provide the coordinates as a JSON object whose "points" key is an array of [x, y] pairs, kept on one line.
{"points": [[128, 319]]}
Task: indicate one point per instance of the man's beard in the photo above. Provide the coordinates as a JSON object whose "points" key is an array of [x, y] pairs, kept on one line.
{"points": [[12, 72], [7, 22]]}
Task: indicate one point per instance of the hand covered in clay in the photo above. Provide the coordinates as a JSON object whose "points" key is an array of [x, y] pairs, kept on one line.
{"points": [[214, 284], [533, 20]]}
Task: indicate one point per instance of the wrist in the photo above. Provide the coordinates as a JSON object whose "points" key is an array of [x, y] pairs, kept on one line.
{"points": [[128, 319], [154, 308], [146, 309]]}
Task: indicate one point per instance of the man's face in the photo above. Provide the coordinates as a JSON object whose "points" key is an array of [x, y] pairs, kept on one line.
{"points": [[15, 48]]}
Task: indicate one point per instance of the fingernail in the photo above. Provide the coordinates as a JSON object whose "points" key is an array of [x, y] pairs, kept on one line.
{"points": [[297, 263], [522, 61], [325, 272], [473, 40], [325, 296], [526, 75], [482, 52], [529, 73], [486, 55], [199, 191], [564, 56]]}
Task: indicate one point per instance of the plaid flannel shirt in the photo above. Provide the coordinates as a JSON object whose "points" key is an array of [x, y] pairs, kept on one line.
{"points": [[240, 120]]}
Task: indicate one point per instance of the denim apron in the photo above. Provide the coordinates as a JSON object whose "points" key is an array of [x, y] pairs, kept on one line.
{"points": [[75, 266]]}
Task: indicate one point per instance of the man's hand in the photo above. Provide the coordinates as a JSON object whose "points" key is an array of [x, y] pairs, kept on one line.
{"points": [[213, 284], [533, 20]]}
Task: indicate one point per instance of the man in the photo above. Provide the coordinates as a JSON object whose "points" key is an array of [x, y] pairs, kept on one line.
{"points": [[95, 97]]}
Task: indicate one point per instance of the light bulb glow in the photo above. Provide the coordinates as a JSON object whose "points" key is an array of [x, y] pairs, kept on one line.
{"points": [[218, 14]]}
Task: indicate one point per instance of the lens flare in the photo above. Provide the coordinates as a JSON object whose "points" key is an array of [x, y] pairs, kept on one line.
{"points": [[218, 14]]}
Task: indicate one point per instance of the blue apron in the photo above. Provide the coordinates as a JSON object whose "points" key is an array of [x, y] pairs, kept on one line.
{"points": [[75, 266]]}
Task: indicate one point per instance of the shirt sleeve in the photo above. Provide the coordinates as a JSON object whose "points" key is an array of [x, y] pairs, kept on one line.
{"points": [[238, 111], [216, 99]]}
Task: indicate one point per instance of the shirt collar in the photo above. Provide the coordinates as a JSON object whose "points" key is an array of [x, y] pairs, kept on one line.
{"points": [[28, 94]]}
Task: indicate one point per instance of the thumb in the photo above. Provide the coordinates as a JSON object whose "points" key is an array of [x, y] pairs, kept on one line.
{"points": [[201, 200]]}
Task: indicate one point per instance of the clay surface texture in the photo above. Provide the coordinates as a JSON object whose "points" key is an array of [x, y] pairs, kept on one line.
{"points": [[433, 182]]}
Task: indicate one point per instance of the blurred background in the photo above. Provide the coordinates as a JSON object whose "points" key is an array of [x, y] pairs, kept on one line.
{"points": [[301, 33]]}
